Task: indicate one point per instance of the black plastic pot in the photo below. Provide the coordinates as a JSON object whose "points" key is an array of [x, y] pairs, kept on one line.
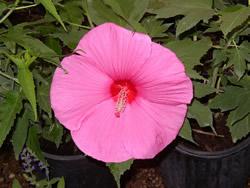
{"points": [[80, 171], [182, 167]]}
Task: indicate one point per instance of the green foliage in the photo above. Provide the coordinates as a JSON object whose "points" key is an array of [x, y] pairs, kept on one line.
{"points": [[118, 169], [21, 132], [190, 52], [25, 78], [233, 17], [10, 106], [50, 7], [201, 113], [193, 10]]}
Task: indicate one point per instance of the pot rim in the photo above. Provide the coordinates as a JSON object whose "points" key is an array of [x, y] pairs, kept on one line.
{"points": [[216, 154], [64, 157]]}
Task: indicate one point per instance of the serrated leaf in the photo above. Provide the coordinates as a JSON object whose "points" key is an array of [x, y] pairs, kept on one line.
{"points": [[16, 184], [192, 18], [226, 101], [34, 46], [190, 52], [101, 13], [118, 169], [26, 81], [129, 9], [155, 27], [32, 143], [50, 7], [10, 106], [201, 113], [193, 10], [20, 133], [186, 131], [240, 129], [233, 17], [202, 89]]}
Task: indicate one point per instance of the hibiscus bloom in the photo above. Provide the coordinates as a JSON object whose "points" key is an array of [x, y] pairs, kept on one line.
{"points": [[122, 95]]}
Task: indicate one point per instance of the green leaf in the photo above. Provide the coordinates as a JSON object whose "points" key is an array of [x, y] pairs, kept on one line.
{"points": [[34, 46], [201, 113], [61, 183], [202, 89], [193, 10], [16, 184], [72, 12], [190, 52], [53, 133], [155, 27], [10, 106], [33, 143], [233, 17], [226, 101], [186, 131], [101, 13], [240, 129], [243, 109], [118, 169], [21, 132], [50, 7], [26, 81], [237, 57], [43, 98], [71, 38], [131, 10]]}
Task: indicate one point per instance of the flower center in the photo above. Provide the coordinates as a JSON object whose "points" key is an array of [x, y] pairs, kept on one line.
{"points": [[123, 92]]}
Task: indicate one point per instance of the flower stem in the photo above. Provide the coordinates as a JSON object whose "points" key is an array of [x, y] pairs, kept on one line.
{"points": [[9, 77], [77, 25]]}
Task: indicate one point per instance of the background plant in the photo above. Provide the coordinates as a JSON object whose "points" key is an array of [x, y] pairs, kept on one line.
{"points": [[211, 37]]}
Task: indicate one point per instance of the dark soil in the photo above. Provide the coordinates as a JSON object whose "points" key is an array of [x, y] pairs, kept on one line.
{"points": [[10, 169]]}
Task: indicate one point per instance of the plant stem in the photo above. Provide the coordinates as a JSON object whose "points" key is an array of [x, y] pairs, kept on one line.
{"points": [[77, 25], [9, 12], [24, 7], [207, 133], [9, 77], [87, 14]]}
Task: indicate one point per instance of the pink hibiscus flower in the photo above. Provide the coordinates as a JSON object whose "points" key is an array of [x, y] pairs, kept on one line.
{"points": [[123, 96]]}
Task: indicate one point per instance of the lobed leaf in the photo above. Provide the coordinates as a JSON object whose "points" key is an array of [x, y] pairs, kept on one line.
{"points": [[233, 17], [190, 52]]}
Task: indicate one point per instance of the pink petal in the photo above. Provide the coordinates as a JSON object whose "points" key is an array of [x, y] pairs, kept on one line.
{"points": [[162, 79], [115, 50], [100, 135], [150, 127], [74, 93]]}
